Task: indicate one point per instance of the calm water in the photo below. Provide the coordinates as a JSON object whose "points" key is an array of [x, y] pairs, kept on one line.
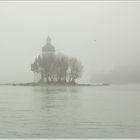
{"points": [[111, 111]]}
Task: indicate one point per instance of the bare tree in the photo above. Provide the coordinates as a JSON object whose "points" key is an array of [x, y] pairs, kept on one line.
{"points": [[62, 67], [75, 69], [48, 64]]}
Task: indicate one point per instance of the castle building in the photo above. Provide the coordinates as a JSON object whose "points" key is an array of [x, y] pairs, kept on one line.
{"points": [[47, 50]]}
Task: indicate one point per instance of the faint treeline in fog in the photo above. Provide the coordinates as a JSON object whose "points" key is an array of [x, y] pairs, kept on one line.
{"points": [[124, 74]]}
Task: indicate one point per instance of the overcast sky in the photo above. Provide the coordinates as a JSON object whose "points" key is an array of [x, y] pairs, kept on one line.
{"points": [[105, 36]]}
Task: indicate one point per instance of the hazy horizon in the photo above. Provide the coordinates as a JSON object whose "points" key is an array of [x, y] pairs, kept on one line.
{"points": [[104, 36]]}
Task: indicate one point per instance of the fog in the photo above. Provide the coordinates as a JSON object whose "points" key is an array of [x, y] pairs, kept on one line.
{"points": [[104, 36]]}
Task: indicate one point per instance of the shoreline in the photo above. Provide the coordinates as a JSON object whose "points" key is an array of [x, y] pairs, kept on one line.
{"points": [[53, 84]]}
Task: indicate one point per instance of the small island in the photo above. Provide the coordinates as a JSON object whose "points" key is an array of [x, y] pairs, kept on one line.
{"points": [[52, 68]]}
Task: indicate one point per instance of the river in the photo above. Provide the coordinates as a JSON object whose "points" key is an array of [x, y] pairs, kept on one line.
{"points": [[70, 112]]}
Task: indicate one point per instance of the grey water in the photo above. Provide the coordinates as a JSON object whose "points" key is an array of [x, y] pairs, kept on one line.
{"points": [[71, 112]]}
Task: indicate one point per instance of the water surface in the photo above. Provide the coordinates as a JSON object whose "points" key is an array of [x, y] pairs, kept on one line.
{"points": [[82, 112]]}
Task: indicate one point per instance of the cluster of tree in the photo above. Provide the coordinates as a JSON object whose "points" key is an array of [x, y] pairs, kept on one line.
{"points": [[58, 68]]}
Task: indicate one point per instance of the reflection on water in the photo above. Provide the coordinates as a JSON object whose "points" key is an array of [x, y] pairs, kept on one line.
{"points": [[55, 89], [111, 111]]}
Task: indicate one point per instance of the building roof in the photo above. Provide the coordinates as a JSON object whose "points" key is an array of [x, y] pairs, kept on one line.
{"points": [[48, 46]]}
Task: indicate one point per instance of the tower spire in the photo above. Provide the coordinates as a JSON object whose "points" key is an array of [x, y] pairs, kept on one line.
{"points": [[48, 41]]}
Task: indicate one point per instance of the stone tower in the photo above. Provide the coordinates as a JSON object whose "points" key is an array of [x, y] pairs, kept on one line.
{"points": [[48, 48]]}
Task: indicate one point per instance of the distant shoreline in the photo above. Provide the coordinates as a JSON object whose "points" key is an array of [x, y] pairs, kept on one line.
{"points": [[52, 84]]}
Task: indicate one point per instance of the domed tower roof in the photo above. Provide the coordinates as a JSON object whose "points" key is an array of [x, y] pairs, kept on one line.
{"points": [[48, 47], [48, 39]]}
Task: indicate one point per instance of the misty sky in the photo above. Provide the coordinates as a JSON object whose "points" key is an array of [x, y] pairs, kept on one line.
{"points": [[105, 36]]}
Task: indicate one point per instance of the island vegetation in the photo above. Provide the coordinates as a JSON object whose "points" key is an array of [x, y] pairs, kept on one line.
{"points": [[58, 69]]}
